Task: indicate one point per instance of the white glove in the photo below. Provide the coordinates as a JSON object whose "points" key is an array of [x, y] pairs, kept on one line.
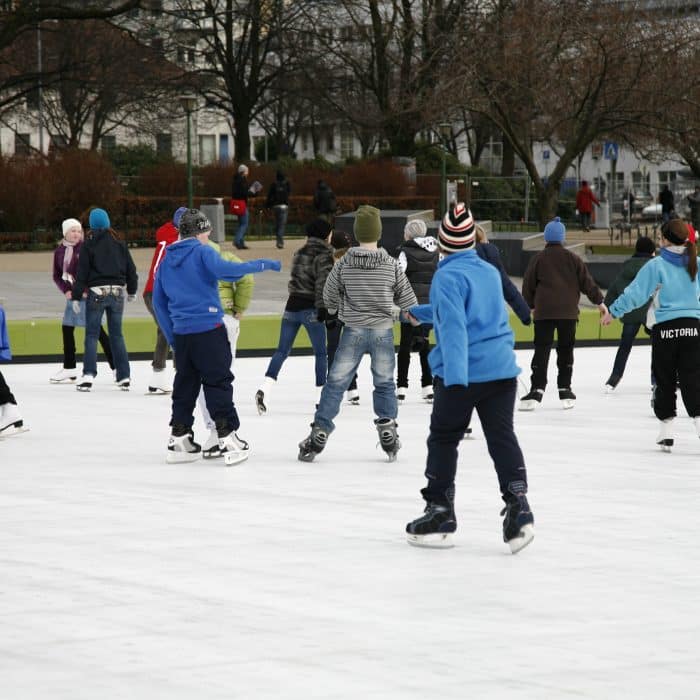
{"points": [[76, 307]]}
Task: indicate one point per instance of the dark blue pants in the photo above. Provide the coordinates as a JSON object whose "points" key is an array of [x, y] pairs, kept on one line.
{"points": [[494, 402], [204, 360], [629, 333], [5, 393]]}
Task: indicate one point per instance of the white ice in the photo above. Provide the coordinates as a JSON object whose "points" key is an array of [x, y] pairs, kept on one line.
{"points": [[124, 577]]}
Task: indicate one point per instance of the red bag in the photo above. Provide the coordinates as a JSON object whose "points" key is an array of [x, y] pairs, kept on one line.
{"points": [[238, 207]]}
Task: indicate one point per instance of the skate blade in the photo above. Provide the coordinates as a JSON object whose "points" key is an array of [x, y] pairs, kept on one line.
{"points": [[665, 444], [12, 430], [233, 458], [174, 457], [354, 402], [212, 454], [67, 380], [157, 392], [437, 540], [526, 535], [527, 405], [566, 404], [83, 388], [306, 456]]}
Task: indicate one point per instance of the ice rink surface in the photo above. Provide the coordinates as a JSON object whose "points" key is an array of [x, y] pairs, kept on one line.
{"points": [[124, 577]]}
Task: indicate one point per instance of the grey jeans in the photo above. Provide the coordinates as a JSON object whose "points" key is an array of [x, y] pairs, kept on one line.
{"points": [[160, 354]]}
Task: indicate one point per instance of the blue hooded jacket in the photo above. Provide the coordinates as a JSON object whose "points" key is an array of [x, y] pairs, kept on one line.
{"points": [[467, 308], [186, 287]]}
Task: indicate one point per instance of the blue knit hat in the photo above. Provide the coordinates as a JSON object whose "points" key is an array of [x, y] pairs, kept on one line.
{"points": [[555, 231], [178, 215], [99, 219]]}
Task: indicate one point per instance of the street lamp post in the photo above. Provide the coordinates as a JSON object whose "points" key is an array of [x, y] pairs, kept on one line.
{"points": [[445, 130], [189, 104]]}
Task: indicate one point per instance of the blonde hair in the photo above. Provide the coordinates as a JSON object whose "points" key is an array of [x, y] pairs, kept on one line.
{"points": [[480, 234]]}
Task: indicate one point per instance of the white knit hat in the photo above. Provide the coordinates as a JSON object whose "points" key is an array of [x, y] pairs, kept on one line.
{"points": [[68, 224], [415, 228]]}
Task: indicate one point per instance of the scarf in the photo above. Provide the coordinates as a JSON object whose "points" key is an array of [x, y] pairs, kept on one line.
{"points": [[67, 257], [676, 255]]}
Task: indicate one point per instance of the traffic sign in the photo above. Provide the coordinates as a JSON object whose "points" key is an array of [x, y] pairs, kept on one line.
{"points": [[611, 150], [545, 155]]}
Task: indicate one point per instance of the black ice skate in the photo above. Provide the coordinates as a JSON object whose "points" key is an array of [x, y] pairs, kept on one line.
{"points": [[388, 437], [519, 523], [530, 400], [233, 449], [181, 445], [124, 384], [260, 402], [567, 397], [435, 527], [313, 444], [665, 438]]}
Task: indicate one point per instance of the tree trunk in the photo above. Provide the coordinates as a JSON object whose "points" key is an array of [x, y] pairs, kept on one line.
{"points": [[508, 159], [242, 138], [547, 199]]}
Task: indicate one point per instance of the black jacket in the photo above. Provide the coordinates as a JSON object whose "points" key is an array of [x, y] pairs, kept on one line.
{"points": [[310, 268], [324, 199], [278, 193], [104, 261], [420, 268], [629, 271], [239, 188]]}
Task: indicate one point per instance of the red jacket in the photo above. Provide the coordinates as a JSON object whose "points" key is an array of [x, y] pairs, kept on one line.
{"points": [[585, 200], [165, 235]]}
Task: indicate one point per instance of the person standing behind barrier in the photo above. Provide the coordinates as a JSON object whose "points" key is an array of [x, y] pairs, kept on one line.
{"points": [[278, 201], [672, 278], [644, 251], [65, 264], [667, 203], [694, 204], [418, 258], [325, 202], [165, 235], [239, 205], [585, 199], [11, 421], [105, 268]]}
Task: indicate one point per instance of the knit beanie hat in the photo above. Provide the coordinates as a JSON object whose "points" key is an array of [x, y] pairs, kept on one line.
{"points": [[192, 223], [457, 231], [645, 246], [319, 228], [178, 215], [99, 219], [368, 224], [555, 231], [415, 228], [68, 224], [342, 239]]}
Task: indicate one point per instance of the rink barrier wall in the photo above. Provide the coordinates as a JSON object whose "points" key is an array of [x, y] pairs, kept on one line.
{"points": [[40, 340]]}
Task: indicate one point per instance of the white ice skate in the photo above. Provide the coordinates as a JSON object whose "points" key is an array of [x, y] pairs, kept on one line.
{"points": [[124, 384], [427, 393], [211, 449], [85, 383], [182, 447], [64, 376], [401, 394], [11, 422], [234, 449], [353, 397], [665, 438], [159, 384]]}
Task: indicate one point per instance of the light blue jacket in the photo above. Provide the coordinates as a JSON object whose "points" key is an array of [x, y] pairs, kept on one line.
{"points": [[677, 294], [468, 311]]}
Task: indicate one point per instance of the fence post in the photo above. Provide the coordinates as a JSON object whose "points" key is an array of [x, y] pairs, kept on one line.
{"points": [[527, 198]]}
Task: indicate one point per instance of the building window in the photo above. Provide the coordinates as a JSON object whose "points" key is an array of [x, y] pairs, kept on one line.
{"points": [[23, 146], [224, 154], [667, 177], [641, 183], [207, 148], [330, 141], [347, 144], [57, 142], [108, 143], [164, 144]]}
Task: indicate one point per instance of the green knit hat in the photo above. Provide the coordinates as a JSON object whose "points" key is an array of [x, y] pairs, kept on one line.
{"points": [[368, 224]]}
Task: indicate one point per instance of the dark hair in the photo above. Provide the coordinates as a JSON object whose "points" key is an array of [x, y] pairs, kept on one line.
{"points": [[676, 231], [645, 246]]}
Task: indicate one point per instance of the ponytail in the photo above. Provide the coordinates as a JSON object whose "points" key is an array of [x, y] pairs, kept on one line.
{"points": [[692, 259]]}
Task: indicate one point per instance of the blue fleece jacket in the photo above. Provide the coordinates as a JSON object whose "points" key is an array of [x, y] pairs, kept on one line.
{"points": [[186, 287], [677, 294], [467, 309]]}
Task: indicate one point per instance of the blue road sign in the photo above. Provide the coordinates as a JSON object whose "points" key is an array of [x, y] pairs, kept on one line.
{"points": [[545, 155], [611, 150]]}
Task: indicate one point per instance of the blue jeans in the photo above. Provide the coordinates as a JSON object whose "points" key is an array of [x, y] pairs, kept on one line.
{"points": [[242, 228], [354, 343], [629, 333], [113, 306], [292, 321], [281, 213]]}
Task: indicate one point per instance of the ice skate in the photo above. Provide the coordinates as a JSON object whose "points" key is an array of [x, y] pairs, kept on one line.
{"points": [[401, 394], [530, 400], [612, 383], [313, 444], [427, 393], [434, 528], [262, 394], [181, 445], [233, 449], [85, 383], [159, 384], [211, 448], [353, 396], [567, 398], [665, 437], [64, 376], [519, 523], [388, 437], [124, 384], [468, 434], [11, 422]]}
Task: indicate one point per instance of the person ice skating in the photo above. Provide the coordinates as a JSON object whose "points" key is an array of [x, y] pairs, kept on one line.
{"points": [[65, 264], [11, 421], [107, 272], [235, 298], [585, 199], [418, 257], [693, 200], [363, 287], [474, 367], [305, 307], [278, 201], [552, 284], [165, 235], [644, 250], [672, 279], [341, 242], [188, 308]]}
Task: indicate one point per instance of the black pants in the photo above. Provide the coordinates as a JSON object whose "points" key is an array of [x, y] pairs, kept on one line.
{"points": [[675, 353], [69, 346], [494, 402], [544, 339], [204, 361], [410, 336], [5, 393], [332, 340]]}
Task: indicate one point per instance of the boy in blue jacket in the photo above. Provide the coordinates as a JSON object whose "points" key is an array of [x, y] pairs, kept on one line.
{"points": [[474, 367], [188, 308]]}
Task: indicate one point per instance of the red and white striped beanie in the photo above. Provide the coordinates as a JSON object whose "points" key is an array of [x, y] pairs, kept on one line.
{"points": [[457, 231]]}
